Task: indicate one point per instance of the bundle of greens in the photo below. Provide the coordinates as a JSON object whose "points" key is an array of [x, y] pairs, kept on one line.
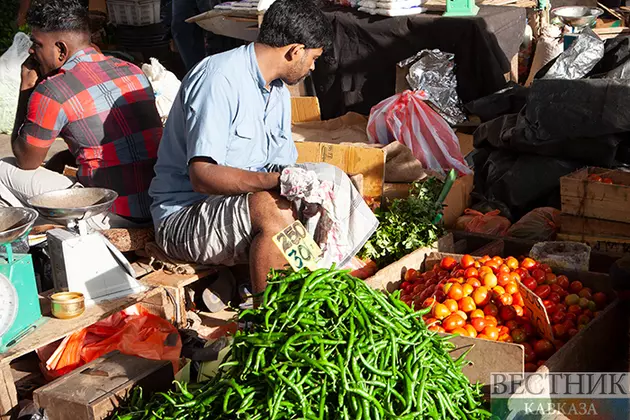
{"points": [[323, 345], [406, 224]]}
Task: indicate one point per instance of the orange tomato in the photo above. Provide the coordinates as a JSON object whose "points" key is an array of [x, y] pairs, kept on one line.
{"points": [[471, 272], [491, 309], [491, 321], [477, 313], [506, 299], [528, 264], [478, 324], [485, 270], [462, 314], [504, 269], [497, 259], [467, 261], [503, 279], [437, 328], [481, 296], [489, 280], [518, 309], [503, 330], [461, 331], [515, 277], [483, 337], [512, 263], [430, 321], [484, 259], [467, 304], [494, 266], [474, 282], [472, 332], [451, 305], [428, 302], [440, 311], [468, 289], [448, 263], [456, 291], [497, 292], [453, 321], [491, 332], [410, 274], [511, 287]]}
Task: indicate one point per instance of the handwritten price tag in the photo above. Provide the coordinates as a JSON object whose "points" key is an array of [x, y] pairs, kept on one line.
{"points": [[539, 317], [298, 247]]}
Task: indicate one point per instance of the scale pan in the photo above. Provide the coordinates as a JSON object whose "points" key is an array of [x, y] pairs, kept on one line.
{"points": [[15, 222], [73, 203]]}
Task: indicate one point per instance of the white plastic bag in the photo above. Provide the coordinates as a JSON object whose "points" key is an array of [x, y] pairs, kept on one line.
{"points": [[165, 86], [408, 119], [10, 74]]}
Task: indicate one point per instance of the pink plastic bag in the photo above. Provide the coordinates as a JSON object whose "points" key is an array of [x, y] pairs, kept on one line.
{"points": [[488, 224], [406, 118]]}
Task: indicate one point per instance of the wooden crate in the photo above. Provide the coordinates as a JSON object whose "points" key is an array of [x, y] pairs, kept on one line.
{"points": [[581, 197], [94, 390], [601, 235]]}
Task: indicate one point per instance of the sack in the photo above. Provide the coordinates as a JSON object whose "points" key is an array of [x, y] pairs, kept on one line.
{"points": [[10, 78], [406, 118], [165, 86], [539, 225], [488, 224]]}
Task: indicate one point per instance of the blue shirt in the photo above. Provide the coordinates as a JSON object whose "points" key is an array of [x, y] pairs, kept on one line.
{"points": [[223, 111]]}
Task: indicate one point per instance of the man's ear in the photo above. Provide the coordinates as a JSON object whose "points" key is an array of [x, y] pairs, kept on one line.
{"points": [[294, 51], [62, 50]]}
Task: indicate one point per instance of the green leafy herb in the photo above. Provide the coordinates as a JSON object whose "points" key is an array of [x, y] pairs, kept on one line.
{"points": [[406, 225]]}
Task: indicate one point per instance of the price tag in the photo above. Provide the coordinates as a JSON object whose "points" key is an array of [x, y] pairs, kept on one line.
{"points": [[298, 247], [539, 317]]}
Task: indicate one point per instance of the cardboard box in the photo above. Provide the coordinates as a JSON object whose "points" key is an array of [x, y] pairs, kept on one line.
{"points": [[354, 160], [91, 392], [584, 198], [487, 357], [305, 109]]}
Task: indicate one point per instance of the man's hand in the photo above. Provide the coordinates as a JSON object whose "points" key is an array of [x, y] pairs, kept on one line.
{"points": [[30, 73]]}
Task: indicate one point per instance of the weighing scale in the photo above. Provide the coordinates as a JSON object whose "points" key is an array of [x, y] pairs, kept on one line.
{"points": [[83, 261], [19, 301]]}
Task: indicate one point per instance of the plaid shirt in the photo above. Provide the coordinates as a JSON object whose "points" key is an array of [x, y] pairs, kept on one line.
{"points": [[104, 109]]}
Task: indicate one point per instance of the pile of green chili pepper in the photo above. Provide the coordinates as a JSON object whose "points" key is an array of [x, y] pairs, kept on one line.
{"points": [[323, 345]]}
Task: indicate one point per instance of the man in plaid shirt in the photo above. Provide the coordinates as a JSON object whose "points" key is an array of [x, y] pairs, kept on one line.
{"points": [[103, 108]]}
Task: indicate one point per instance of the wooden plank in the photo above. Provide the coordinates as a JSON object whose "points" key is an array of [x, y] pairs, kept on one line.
{"points": [[53, 329], [609, 245], [160, 278], [8, 393], [593, 227], [606, 210]]}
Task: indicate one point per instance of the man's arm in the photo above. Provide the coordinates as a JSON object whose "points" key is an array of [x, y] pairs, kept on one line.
{"points": [[38, 120], [212, 179]]}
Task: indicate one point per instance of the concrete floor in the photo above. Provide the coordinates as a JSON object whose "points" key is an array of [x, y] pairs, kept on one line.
{"points": [[5, 146]]}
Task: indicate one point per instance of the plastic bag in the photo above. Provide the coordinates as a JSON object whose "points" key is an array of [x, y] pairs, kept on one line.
{"points": [[133, 331], [165, 86], [540, 224], [406, 118], [10, 75], [573, 256], [488, 224]]}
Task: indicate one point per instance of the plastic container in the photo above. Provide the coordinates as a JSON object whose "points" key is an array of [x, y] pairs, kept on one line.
{"points": [[133, 12], [573, 256]]}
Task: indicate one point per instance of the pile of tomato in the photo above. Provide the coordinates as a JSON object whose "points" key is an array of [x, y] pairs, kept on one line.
{"points": [[605, 180], [481, 298]]}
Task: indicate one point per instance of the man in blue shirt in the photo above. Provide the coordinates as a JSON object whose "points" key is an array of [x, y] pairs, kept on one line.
{"points": [[215, 194]]}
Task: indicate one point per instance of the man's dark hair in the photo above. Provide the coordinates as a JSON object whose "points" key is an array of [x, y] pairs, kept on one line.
{"points": [[296, 22], [59, 16]]}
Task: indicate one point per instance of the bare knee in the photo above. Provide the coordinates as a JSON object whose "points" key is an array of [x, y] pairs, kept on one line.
{"points": [[269, 211]]}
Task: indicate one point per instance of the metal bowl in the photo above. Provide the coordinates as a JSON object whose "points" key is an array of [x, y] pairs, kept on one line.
{"points": [[577, 16], [67, 305], [15, 222], [74, 203]]}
